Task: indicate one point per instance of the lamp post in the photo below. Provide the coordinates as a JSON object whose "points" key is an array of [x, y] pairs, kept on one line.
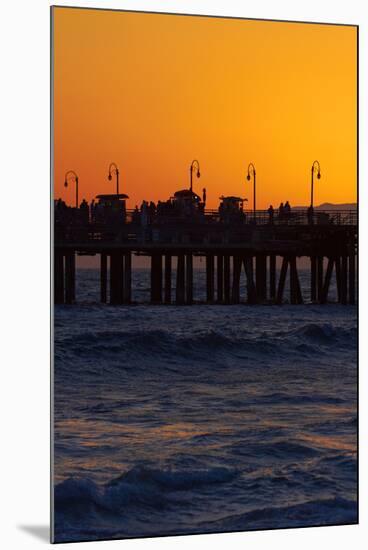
{"points": [[315, 168], [252, 171], [70, 175], [113, 169], [193, 166]]}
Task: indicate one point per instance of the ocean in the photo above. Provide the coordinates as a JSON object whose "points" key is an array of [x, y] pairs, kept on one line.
{"points": [[205, 418]]}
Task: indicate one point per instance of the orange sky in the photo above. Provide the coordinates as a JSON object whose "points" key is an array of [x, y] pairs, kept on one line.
{"points": [[152, 92]]}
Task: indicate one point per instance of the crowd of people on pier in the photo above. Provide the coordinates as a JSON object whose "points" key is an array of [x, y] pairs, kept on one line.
{"points": [[284, 212], [145, 214], [230, 210]]}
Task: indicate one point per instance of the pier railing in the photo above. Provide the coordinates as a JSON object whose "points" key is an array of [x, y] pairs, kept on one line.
{"points": [[296, 217], [201, 227]]}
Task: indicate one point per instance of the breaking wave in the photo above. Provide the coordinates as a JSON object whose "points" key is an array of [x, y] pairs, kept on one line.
{"points": [[163, 343]]}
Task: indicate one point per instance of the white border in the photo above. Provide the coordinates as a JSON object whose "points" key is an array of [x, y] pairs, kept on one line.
{"points": [[24, 273]]}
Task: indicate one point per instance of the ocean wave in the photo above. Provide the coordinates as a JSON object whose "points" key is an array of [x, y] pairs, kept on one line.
{"points": [[138, 486], [325, 333], [331, 511], [298, 399], [306, 339], [276, 449]]}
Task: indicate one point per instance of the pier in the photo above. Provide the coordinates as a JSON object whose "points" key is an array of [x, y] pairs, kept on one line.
{"points": [[231, 244]]}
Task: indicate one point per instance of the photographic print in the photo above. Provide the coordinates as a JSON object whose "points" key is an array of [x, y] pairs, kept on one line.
{"points": [[204, 227]]}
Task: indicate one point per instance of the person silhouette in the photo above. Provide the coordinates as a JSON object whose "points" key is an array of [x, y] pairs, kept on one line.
{"points": [[281, 210], [271, 213]]}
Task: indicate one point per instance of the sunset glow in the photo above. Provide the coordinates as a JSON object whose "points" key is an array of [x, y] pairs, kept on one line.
{"points": [[153, 92]]}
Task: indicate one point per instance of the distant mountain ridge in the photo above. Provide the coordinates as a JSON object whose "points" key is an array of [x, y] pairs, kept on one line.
{"points": [[330, 206]]}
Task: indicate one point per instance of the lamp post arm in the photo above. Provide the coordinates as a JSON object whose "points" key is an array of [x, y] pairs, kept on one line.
{"points": [[312, 183], [70, 174], [252, 170], [315, 166], [194, 163], [113, 169]]}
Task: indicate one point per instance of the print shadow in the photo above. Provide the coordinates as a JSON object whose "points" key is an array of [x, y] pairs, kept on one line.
{"points": [[41, 532]]}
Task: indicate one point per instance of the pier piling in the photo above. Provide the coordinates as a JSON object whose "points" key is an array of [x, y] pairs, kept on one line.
{"points": [[344, 279], [272, 277], [103, 278], [295, 289], [282, 279], [313, 278], [189, 278], [180, 280], [251, 288], [326, 284], [59, 277], [338, 278], [319, 278], [220, 278], [261, 277], [156, 278], [237, 264], [210, 277], [167, 279], [127, 278], [69, 277], [116, 278], [351, 278], [227, 278]]}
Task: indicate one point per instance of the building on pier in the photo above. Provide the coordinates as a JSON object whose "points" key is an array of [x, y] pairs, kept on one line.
{"points": [[231, 209], [110, 209]]}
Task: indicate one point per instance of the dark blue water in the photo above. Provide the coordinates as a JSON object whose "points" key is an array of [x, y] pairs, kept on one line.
{"points": [[202, 419]]}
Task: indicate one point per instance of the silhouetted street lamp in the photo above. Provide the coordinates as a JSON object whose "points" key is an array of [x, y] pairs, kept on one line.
{"points": [[70, 175], [315, 168], [252, 171], [113, 169], [193, 166]]}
